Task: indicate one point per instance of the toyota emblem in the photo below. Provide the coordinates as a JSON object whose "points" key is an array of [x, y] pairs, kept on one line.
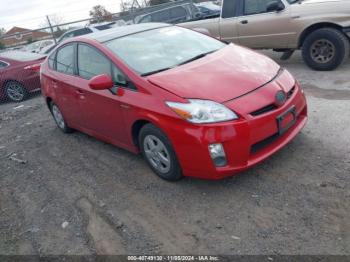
{"points": [[280, 98]]}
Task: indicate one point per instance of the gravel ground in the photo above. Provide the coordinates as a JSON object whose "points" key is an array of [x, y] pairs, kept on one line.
{"points": [[72, 194]]}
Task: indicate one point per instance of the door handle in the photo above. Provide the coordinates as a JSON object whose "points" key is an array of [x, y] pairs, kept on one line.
{"points": [[244, 22], [80, 93], [54, 83], [124, 106]]}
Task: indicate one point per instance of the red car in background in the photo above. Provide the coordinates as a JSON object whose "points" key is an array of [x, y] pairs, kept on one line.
{"points": [[19, 74], [193, 106]]}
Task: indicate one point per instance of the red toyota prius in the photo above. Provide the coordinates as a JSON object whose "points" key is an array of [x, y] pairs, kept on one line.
{"points": [[191, 104]]}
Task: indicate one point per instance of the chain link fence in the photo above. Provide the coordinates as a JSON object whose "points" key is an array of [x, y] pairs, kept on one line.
{"points": [[26, 49]]}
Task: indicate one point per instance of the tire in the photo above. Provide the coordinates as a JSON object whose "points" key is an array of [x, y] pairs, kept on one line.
{"points": [[155, 157], [15, 91], [59, 119], [325, 49]]}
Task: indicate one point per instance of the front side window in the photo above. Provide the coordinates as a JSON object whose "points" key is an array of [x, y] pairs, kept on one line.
{"points": [[229, 9], [66, 36], [162, 48], [93, 63], [252, 7], [65, 60]]}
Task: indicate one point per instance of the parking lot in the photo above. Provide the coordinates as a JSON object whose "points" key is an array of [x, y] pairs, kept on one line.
{"points": [[72, 194]]}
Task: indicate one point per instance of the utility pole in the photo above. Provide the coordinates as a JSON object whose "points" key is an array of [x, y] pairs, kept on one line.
{"points": [[53, 35]]}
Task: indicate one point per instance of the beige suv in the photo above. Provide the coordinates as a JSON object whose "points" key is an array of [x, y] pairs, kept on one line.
{"points": [[320, 28]]}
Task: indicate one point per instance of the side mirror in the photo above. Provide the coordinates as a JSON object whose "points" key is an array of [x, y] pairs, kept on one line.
{"points": [[198, 15], [101, 82], [275, 6]]}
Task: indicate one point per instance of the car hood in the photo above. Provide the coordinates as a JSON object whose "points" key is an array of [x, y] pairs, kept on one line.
{"points": [[221, 76]]}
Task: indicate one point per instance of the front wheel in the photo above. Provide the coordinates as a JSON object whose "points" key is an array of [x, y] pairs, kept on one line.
{"points": [[325, 49], [159, 153]]}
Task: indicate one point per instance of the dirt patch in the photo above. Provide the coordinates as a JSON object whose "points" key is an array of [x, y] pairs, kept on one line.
{"points": [[106, 239]]}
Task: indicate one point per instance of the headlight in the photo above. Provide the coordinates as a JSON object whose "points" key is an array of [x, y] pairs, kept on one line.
{"points": [[202, 111]]}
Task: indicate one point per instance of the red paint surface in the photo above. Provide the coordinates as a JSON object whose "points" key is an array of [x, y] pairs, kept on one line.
{"points": [[241, 79]]}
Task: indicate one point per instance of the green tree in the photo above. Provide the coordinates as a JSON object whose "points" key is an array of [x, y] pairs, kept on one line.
{"points": [[2, 46]]}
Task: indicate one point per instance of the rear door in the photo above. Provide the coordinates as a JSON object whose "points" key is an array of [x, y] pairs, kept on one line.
{"points": [[64, 83], [258, 28]]}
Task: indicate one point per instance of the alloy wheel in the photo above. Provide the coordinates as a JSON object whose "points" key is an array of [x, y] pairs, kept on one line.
{"points": [[157, 153], [57, 115], [15, 91]]}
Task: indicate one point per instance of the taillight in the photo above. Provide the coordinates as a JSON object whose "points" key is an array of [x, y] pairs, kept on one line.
{"points": [[35, 67]]}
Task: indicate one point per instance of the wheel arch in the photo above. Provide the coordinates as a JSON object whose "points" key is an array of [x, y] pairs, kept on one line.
{"points": [[48, 102], [315, 27], [136, 128], [139, 124]]}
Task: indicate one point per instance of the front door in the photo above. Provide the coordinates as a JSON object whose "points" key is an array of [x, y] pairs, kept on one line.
{"points": [[259, 28], [229, 21], [101, 109]]}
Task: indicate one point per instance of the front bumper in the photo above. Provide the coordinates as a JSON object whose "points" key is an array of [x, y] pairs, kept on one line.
{"points": [[246, 141]]}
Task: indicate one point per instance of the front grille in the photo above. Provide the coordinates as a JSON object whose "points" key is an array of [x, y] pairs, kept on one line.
{"points": [[291, 92], [264, 110], [263, 143], [271, 107]]}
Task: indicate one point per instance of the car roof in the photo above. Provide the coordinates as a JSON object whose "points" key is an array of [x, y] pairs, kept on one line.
{"points": [[117, 32]]}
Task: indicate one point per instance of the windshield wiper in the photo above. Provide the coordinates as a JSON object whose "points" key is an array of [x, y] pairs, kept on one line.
{"points": [[196, 57], [182, 63], [156, 71]]}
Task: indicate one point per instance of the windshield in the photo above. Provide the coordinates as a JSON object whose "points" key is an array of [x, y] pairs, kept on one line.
{"points": [[163, 48]]}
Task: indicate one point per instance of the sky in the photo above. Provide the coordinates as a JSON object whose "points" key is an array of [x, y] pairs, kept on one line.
{"points": [[31, 14]]}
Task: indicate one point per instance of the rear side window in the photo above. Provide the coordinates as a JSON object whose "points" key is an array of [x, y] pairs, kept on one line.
{"points": [[146, 19], [178, 12], [229, 9], [65, 60], [161, 16], [103, 27], [82, 31], [252, 7], [51, 60], [91, 62]]}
